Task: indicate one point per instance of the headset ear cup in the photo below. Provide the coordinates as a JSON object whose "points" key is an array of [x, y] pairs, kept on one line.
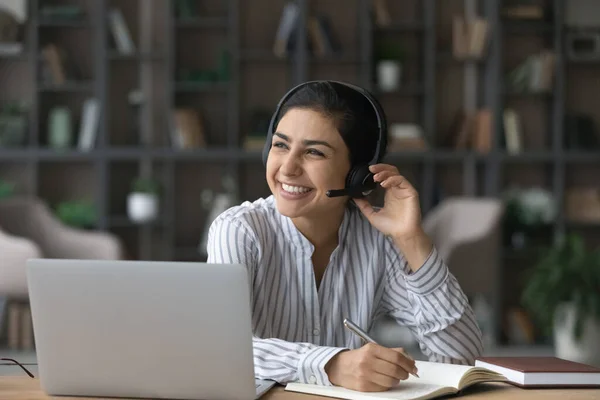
{"points": [[359, 180]]}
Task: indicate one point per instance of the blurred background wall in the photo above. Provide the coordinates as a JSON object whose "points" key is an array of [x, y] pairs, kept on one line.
{"points": [[140, 120]]}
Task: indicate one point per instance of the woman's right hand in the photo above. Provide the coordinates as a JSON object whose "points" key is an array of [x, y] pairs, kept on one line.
{"points": [[372, 368]]}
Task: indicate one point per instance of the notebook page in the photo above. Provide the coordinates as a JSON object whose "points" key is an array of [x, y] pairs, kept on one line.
{"points": [[439, 374], [433, 378], [404, 391]]}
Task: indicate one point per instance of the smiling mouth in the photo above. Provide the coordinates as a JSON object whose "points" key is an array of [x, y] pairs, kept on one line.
{"points": [[295, 190]]}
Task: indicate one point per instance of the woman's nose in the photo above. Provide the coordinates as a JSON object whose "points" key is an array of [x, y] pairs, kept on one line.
{"points": [[290, 165]]}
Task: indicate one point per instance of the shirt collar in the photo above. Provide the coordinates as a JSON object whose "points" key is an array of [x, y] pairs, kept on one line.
{"points": [[296, 238]]}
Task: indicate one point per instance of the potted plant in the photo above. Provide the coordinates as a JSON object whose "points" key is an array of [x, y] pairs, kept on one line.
{"points": [[562, 293], [143, 201], [7, 189], [527, 213], [78, 214], [390, 56]]}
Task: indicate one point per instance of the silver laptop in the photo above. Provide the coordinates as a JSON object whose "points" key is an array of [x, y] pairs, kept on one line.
{"points": [[143, 329]]}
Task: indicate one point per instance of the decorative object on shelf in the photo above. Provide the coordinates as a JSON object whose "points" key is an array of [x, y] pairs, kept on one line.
{"points": [[143, 201], [517, 11], [12, 18], [406, 137], [528, 214], [62, 12], [7, 189], [136, 100], [390, 57], [13, 124], [583, 45], [60, 128], [562, 292], [582, 204], [78, 214], [469, 37], [535, 74]]}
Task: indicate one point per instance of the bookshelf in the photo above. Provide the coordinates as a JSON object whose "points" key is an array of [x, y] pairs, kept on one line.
{"points": [[434, 88]]}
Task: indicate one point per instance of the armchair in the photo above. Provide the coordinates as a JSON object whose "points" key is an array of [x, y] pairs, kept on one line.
{"points": [[31, 218], [467, 234], [28, 229]]}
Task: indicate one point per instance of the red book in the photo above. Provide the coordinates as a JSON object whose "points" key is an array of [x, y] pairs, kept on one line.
{"points": [[542, 371]]}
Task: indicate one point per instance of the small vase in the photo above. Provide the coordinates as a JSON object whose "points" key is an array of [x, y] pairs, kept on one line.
{"points": [[586, 349], [142, 207], [388, 75]]}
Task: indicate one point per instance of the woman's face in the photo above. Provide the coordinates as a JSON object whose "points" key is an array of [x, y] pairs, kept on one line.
{"points": [[308, 157]]}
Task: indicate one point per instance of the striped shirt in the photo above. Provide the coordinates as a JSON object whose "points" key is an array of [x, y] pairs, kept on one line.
{"points": [[298, 328]]}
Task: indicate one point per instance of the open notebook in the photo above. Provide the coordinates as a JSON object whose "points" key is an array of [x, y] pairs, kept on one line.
{"points": [[436, 379]]}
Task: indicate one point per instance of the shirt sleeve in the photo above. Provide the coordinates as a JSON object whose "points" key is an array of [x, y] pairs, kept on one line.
{"points": [[230, 241], [432, 305]]}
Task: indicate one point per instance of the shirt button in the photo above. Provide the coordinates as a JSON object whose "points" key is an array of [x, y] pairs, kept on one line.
{"points": [[312, 379], [316, 332]]}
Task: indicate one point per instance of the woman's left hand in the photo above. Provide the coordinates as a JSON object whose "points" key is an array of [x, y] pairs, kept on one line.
{"points": [[400, 216]]}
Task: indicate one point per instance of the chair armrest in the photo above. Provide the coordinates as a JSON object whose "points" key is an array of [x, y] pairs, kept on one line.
{"points": [[74, 243], [15, 252]]}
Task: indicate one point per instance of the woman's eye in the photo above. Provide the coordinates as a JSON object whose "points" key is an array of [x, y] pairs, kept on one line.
{"points": [[280, 145], [314, 152]]}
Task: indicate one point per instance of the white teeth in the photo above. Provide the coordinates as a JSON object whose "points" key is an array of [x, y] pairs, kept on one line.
{"points": [[294, 189]]}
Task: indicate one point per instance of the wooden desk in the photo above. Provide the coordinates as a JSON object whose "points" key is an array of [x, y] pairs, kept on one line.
{"points": [[25, 388]]}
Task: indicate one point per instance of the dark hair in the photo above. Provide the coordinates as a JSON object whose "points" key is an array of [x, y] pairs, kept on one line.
{"points": [[352, 114]]}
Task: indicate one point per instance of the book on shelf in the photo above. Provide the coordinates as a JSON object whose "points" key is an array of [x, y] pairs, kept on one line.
{"points": [[513, 133], [435, 380], [53, 67], [535, 74], [471, 130], [285, 32], [188, 129], [90, 118], [469, 37], [120, 32], [381, 13], [542, 371]]}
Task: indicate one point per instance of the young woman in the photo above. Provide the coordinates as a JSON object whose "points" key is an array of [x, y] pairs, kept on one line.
{"points": [[314, 260]]}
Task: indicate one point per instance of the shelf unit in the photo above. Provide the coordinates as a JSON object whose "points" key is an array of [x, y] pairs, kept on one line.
{"points": [[432, 92]]}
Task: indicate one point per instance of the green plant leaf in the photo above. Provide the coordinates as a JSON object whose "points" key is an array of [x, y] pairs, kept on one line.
{"points": [[146, 185], [564, 273]]}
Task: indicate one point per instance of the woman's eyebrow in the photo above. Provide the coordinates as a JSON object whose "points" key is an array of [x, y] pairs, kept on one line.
{"points": [[307, 142]]}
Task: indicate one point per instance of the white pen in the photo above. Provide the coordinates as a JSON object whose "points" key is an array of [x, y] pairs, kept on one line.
{"points": [[364, 336]]}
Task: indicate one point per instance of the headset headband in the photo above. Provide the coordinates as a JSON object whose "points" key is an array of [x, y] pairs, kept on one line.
{"points": [[381, 122]]}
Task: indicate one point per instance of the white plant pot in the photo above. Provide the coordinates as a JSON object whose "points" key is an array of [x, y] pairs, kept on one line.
{"points": [[587, 349], [389, 74], [142, 207]]}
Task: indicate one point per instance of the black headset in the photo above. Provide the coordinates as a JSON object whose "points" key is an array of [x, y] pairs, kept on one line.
{"points": [[359, 181]]}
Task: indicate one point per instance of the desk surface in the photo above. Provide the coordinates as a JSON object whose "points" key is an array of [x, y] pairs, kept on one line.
{"points": [[25, 388]]}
